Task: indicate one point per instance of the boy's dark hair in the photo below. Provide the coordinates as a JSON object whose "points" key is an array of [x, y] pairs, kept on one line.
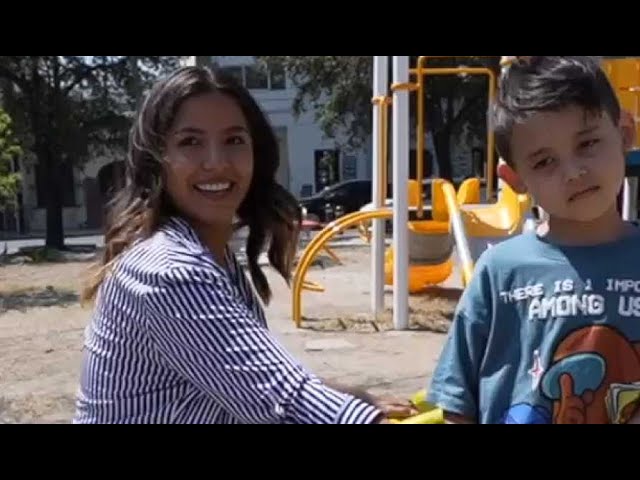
{"points": [[540, 84]]}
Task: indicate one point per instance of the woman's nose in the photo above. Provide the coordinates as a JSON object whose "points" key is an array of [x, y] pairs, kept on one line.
{"points": [[215, 157]]}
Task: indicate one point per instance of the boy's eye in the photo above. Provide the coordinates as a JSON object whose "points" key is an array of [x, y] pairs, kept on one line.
{"points": [[543, 163], [189, 142], [590, 143]]}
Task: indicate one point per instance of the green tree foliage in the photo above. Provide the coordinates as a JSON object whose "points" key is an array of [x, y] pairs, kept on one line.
{"points": [[9, 149], [338, 89], [70, 108]]}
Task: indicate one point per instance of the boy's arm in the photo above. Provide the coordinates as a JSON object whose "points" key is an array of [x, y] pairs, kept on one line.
{"points": [[455, 382]]}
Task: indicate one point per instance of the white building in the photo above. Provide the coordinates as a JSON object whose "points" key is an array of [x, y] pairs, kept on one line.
{"points": [[302, 144], [302, 148]]}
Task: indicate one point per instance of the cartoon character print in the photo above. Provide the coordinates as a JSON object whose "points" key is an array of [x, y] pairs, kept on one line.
{"points": [[525, 414], [584, 365]]}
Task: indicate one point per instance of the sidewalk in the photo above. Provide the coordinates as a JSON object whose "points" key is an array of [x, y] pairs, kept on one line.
{"points": [[41, 235]]}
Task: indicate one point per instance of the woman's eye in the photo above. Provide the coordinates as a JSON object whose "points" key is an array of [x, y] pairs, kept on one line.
{"points": [[189, 142], [236, 140]]}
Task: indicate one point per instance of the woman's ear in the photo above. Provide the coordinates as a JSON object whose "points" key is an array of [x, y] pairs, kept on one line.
{"points": [[509, 175], [628, 130]]}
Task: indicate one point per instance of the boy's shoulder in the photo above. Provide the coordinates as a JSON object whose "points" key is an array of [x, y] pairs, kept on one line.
{"points": [[527, 265], [516, 252], [527, 249]]}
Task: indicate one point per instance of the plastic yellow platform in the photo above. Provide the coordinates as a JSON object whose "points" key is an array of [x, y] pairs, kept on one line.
{"points": [[503, 218], [624, 74]]}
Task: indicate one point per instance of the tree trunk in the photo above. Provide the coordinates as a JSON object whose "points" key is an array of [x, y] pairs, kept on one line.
{"points": [[442, 144], [53, 162], [51, 171], [53, 201], [442, 139]]}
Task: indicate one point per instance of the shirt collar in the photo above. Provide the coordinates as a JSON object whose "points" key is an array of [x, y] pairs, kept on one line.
{"points": [[180, 230]]}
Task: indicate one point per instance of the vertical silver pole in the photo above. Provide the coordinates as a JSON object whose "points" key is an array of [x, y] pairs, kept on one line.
{"points": [[400, 196], [380, 88]]}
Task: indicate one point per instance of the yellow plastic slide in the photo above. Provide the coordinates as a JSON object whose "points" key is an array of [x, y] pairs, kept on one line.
{"points": [[431, 242]]}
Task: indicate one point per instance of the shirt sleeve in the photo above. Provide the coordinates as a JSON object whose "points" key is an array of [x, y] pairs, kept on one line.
{"points": [[207, 334], [455, 382]]}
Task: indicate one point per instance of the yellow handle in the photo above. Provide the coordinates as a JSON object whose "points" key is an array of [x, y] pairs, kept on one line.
{"points": [[429, 414], [433, 417]]}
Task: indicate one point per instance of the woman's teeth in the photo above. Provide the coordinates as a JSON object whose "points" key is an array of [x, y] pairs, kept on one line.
{"points": [[214, 187]]}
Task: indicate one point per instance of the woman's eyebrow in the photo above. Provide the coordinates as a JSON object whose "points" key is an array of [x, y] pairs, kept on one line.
{"points": [[188, 130]]}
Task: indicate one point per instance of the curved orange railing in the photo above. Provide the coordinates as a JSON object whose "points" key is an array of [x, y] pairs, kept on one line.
{"points": [[318, 242]]}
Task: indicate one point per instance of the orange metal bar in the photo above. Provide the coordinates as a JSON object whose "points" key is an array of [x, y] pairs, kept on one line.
{"points": [[379, 103], [422, 72], [385, 149], [312, 286], [420, 133], [410, 86], [318, 242], [383, 102]]}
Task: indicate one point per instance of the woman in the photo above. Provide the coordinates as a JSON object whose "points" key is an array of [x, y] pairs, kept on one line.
{"points": [[178, 334]]}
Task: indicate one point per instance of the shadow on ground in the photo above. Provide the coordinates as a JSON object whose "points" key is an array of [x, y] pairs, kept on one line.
{"points": [[429, 312], [31, 298]]}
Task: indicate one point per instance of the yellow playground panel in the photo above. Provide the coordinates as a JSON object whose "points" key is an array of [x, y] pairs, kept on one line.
{"points": [[484, 223], [624, 74], [457, 219], [504, 218], [431, 241]]}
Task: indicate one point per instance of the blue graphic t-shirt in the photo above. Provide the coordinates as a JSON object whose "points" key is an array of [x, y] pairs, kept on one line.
{"points": [[545, 334]]}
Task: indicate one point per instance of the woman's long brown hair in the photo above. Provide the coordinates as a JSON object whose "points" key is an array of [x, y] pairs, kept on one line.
{"points": [[270, 212]]}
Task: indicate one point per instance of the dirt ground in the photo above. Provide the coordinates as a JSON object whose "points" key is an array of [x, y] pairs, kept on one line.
{"points": [[42, 323]]}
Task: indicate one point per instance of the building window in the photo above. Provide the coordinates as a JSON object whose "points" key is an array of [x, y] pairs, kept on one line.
{"points": [[277, 78], [254, 77], [235, 72], [327, 168]]}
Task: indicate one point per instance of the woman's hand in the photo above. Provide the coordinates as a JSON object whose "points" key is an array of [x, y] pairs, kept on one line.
{"points": [[395, 408], [391, 407]]}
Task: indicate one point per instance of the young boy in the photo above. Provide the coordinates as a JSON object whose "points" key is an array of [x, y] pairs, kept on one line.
{"points": [[548, 330]]}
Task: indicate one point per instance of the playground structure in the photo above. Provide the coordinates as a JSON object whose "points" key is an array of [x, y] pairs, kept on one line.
{"points": [[474, 225], [624, 74], [453, 218]]}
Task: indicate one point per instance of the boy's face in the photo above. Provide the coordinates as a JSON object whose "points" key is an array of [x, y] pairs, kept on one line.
{"points": [[570, 161]]}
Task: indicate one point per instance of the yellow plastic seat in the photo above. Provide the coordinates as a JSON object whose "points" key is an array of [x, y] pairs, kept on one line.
{"points": [[501, 219], [469, 191]]}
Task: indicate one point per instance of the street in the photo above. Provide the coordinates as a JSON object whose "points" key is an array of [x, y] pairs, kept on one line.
{"points": [[14, 246]]}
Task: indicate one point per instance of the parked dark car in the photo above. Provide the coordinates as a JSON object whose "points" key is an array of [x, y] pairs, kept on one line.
{"points": [[337, 200]]}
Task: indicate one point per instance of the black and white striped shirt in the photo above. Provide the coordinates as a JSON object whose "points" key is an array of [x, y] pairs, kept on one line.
{"points": [[176, 338]]}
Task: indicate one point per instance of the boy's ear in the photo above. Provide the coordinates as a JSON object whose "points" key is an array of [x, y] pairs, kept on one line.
{"points": [[628, 129], [509, 175]]}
